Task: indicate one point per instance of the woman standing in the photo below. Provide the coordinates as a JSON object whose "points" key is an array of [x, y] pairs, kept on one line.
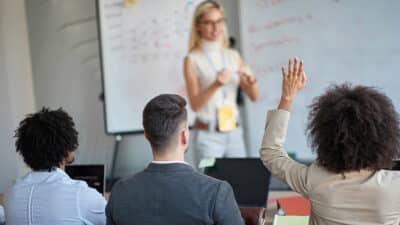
{"points": [[213, 73]]}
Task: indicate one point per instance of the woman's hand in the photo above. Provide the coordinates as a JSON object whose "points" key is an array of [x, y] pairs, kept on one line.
{"points": [[248, 76], [248, 82], [294, 79], [223, 77]]}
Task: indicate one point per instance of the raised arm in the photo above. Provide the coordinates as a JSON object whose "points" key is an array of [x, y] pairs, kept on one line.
{"points": [[272, 151], [199, 98]]}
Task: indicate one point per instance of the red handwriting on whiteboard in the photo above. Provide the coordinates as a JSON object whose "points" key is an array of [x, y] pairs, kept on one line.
{"points": [[270, 3], [278, 23], [272, 43], [261, 70]]}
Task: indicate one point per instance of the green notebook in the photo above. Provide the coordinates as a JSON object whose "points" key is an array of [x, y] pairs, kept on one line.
{"points": [[291, 220]]}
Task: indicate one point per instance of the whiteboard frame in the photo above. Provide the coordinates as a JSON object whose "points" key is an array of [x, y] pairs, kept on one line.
{"points": [[100, 42]]}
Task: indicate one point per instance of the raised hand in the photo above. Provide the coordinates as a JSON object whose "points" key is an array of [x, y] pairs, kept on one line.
{"points": [[294, 79]]}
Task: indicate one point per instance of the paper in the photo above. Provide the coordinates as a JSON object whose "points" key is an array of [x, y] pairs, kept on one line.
{"points": [[226, 118], [207, 162], [291, 220]]}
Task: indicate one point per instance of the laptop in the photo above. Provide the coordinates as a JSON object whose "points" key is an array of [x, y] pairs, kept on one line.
{"points": [[248, 177], [396, 164], [94, 175]]}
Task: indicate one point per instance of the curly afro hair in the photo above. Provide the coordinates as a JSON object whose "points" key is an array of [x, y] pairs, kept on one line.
{"points": [[353, 128], [45, 138]]}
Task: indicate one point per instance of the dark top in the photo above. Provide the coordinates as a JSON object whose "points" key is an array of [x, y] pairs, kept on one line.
{"points": [[173, 194]]}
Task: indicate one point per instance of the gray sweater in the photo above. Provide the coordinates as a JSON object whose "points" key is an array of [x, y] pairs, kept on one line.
{"points": [[172, 194]]}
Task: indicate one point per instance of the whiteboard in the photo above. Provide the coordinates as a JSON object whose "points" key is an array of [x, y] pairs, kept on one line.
{"points": [[143, 43], [340, 40]]}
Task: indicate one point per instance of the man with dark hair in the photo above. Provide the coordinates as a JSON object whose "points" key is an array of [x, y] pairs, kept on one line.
{"points": [[47, 141], [169, 191]]}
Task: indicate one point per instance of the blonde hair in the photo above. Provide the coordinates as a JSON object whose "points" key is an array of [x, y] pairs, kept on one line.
{"points": [[202, 8]]}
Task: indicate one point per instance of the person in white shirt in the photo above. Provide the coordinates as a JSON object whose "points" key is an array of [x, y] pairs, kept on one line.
{"points": [[47, 141], [213, 74]]}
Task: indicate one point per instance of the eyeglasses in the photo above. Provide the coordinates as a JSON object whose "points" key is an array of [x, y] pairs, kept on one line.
{"points": [[213, 23]]}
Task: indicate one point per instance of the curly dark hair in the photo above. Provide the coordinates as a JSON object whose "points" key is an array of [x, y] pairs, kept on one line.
{"points": [[45, 138], [354, 128]]}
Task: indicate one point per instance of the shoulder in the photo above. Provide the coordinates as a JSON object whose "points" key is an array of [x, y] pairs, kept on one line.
{"points": [[386, 182], [90, 201], [91, 205], [194, 55], [209, 183], [58, 178], [316, 175], [207, 188], [88, 194], [232, 52], [80, 185], [76, 183], [127, 184], [389, 176]]}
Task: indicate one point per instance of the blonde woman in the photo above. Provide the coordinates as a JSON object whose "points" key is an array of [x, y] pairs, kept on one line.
{"points": [[213, 73]]}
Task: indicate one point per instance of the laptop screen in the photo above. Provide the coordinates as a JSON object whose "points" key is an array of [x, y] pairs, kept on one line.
{"points": [[396, 165], [94, 175], [247, 176]]}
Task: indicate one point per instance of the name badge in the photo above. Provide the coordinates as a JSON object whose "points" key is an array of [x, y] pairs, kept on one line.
{"points": [[226, 118]]}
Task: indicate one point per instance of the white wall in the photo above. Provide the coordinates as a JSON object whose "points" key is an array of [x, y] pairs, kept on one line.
{"points": [[16, 92], [66, 69]]}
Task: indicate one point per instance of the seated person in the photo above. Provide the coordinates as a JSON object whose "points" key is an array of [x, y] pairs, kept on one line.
{"points": [[169, 191], [47, 141], [355, 133]]}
